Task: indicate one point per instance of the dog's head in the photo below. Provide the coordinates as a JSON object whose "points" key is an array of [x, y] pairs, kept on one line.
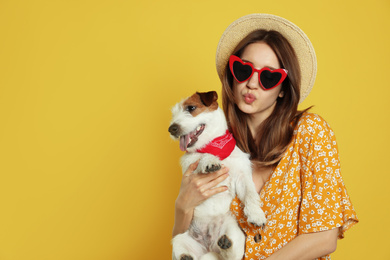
{"points": [[197, 120]]}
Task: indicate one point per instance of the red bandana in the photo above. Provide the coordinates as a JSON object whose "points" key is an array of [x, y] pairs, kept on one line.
{"points": [[221, 146]]}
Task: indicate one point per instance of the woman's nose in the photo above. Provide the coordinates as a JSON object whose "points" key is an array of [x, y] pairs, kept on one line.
{"points": [[253, 82]]}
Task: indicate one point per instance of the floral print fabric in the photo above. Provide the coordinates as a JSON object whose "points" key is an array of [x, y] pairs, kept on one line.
{"points": [[304, 194]]}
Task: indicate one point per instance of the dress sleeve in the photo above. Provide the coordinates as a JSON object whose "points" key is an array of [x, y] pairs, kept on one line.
{"points": [[325, 203]]}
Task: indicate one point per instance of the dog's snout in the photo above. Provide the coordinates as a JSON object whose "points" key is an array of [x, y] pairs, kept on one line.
{"points": [[174, 129]]}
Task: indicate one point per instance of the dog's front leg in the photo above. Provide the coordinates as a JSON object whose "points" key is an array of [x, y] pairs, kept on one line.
{"points": [[208, 163], [188, 159], [246, 192]]}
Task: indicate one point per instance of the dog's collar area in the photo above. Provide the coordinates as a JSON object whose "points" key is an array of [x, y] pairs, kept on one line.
{"points": [[221, 146]]}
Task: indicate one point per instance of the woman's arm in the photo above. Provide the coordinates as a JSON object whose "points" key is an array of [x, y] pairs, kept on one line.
{"points": [[308, 246], [194, 189]]}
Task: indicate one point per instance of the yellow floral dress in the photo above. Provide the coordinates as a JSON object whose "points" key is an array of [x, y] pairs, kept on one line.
{"points": [[304, 194]]}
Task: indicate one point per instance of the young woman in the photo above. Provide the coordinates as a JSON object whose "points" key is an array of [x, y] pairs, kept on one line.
{"points": [[267, 66]]}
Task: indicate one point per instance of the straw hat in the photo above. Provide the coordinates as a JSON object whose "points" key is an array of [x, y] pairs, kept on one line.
{"points": [[304, 50]]}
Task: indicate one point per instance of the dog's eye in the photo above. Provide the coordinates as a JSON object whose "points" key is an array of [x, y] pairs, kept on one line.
{"points": [[190, 108]]}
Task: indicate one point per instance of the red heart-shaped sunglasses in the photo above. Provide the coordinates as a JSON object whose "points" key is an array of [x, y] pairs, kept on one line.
{"points": [[268, 79]]}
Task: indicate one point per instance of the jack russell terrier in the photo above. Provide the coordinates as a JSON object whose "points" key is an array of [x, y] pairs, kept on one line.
{"points": [[214, 233]]}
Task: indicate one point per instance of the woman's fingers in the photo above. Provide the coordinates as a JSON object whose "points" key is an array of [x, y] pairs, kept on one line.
{"points": [[216, 190], [216, 178], [196, 188], [193, 166], [202, 178], [205, 184]]}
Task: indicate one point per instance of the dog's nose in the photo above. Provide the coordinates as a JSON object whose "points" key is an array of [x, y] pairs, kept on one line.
{"points": [[174, 129]]}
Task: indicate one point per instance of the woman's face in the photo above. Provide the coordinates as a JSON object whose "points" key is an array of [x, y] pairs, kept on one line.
{"points": [[249, 96]]}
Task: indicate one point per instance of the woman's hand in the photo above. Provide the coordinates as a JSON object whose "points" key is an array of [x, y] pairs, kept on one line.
{"points": [[194, 189]]}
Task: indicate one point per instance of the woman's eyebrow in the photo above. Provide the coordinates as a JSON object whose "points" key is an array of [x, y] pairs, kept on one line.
{"points": [[270, 67], [247, 61]]}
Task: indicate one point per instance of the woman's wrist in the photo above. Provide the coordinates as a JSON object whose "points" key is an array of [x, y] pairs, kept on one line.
{"points": [[182, 208], [183, 217]]}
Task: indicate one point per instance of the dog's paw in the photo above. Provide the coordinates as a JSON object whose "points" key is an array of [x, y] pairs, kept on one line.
{"points": [[224, 242], [256, 218], [186, 257], [213, 168], [209, 163]]}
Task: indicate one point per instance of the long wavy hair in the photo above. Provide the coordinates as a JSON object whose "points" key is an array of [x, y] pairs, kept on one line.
{"points": [[276, 132]]}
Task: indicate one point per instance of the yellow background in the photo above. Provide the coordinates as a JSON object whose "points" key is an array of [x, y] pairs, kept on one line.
{"points": [[87, 168]]}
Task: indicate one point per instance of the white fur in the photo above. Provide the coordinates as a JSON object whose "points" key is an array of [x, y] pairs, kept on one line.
{"points": [[212, 219]]}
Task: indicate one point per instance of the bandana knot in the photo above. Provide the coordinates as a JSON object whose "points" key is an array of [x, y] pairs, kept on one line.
{"points": [[221, 146]]}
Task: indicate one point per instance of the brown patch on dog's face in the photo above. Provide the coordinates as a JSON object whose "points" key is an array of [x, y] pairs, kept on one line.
{"points": [[195, 105]]}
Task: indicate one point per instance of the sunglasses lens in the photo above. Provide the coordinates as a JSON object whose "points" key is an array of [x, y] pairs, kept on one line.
{"points": [[270, 79], [241, 72]]}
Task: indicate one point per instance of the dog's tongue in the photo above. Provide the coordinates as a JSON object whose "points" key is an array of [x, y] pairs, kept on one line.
{"points": [[184, 140]]}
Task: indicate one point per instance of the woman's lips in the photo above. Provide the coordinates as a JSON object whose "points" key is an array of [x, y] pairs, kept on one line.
{"points": [[249, 98]]}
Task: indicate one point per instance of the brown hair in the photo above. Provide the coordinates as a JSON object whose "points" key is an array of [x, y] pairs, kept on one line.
{"points": [[275, 133]]}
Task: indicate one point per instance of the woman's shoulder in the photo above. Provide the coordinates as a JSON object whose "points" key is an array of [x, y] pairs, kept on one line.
{"points": [[314, 125], [309, 118]]}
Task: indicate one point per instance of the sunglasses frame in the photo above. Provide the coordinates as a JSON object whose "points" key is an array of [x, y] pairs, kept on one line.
{"points": [[234, 58]]}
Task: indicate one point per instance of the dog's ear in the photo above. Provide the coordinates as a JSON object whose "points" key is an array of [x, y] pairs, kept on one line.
{"points": [[208, 98]]}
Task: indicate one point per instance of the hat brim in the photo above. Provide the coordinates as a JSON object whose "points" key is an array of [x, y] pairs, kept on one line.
{"points": [[303, 48]]}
